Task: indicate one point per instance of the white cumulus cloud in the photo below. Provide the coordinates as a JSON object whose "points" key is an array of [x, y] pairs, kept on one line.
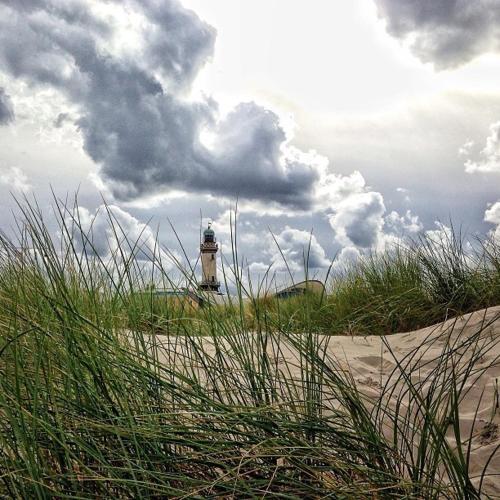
{"points": [[492, 215], [15, 179], [489, 156]]}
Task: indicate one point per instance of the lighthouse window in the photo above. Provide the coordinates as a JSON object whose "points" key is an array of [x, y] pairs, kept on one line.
{"points": [[213, 257], [213, 278]]}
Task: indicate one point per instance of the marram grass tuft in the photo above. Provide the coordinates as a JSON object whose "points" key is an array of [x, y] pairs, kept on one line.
{"points": [[107, 392]]}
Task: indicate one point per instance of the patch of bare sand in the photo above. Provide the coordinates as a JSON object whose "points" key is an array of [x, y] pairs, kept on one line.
{"points": [[428, 357], [376, 361]]}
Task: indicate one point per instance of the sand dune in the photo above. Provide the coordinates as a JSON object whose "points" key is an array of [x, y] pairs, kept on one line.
{"points": [[429, 356], [373, 362]]}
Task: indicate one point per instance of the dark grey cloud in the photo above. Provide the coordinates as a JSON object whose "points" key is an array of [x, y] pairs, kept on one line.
{"points": [[447, 33], [34, 43], [71, 11], [6, 110], [178, 42], [247, 159], [134, 121]]}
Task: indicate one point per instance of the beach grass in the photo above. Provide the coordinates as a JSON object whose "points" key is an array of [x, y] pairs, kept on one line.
{"points": [[409, 286], [107, 391]]}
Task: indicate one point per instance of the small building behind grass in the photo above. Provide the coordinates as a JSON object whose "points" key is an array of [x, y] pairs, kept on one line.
{"points": [[301, 288]]}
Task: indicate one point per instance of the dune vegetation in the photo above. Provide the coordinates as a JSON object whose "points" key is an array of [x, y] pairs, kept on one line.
{"points": [[109, 391]]}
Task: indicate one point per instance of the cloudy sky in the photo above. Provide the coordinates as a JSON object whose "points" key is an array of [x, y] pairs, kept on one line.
{"points": [[363, 121]]}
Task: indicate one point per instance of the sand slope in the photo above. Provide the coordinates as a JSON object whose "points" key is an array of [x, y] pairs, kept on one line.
{"points": [[373, 362], [429, 356]]}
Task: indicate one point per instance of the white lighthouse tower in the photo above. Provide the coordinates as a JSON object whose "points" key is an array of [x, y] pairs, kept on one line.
{"points": [[208, 250]]}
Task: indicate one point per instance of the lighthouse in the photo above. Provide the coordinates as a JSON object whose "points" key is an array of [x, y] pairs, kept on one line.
{"points": [[208, 250]]}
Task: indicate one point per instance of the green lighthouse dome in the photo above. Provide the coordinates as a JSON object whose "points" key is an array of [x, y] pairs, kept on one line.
{"points": [[208, 234]]}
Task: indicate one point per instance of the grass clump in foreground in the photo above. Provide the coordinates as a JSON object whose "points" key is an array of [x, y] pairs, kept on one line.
{"points": [[93, 403]]}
